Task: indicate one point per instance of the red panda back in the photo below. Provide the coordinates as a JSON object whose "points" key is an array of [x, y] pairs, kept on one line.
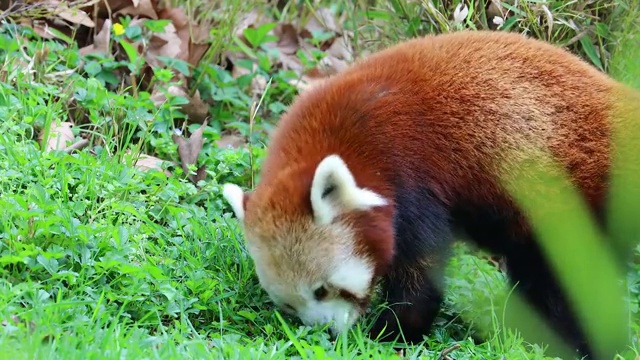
{"points": [[444, 110]]}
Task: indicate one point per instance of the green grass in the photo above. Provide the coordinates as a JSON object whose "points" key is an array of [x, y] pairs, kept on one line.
{"points": [[102, 260]]}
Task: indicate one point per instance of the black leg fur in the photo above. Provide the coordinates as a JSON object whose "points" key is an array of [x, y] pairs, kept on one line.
{"points": [[413, 301], [413, 289], [535, 280], [527, 268]]}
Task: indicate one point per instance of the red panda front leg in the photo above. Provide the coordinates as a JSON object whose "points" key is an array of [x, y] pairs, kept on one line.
{"points": [[413, 289], [413, 302]]}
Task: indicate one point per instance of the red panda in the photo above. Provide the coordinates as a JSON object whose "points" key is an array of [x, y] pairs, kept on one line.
{"points": [[371, 174]]}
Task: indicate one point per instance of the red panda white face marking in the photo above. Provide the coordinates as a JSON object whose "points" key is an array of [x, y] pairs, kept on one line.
{"points": [[317, 297], [310, 267]]}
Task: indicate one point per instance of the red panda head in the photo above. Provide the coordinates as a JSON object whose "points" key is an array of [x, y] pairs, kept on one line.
{"points": [[304, 230]]}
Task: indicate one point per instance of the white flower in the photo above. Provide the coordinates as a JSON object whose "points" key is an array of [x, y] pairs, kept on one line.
{"points": [[498, 20], [460, 13]]}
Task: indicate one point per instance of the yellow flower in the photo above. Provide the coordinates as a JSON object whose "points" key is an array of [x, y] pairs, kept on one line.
{"points": [[118, 29]]}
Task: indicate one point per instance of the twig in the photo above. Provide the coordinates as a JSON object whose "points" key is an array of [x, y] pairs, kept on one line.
{"points": [[81, 144], [447, 351]]}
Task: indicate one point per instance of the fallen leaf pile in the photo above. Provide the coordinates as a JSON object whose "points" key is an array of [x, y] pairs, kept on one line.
{"points": [[321, 32], [97, 28]]}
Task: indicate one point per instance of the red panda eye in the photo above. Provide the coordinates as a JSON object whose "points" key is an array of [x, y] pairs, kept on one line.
{"points": [[320, 293]]}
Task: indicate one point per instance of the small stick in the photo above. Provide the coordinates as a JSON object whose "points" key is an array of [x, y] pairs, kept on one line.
{"points": [[447, 351], [81, 144]]}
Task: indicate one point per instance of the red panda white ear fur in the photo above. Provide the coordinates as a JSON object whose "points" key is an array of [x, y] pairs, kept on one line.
{"points": [[334, 191], [235, 197]]}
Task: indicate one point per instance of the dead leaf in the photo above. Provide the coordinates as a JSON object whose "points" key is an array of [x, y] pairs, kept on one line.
{"points": [[291, 62], [305, 82], [166, 44], [197, 49], [193, 38], [74, 16], [13, 318], [326, 67], [146, 162], [330, 65], [196, 109], [231, 141], [140, 8], [249, 19], [60, 136], [189, 149], [258, 82], [323, 19], [105, 8], [42, 29], [341, 49], [201, 174], [238, 71], [101, 41], [288, 42], [159, 97]]}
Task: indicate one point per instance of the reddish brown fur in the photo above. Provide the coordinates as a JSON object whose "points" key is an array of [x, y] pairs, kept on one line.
{"points": [[448, 113], [379, 97]]}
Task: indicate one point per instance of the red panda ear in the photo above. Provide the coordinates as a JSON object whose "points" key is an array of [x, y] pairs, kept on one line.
{"points": [[334, 191], [236, 198]]}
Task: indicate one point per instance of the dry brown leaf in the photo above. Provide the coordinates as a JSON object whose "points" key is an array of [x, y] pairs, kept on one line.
{"points": [[288, 42], [159, 97], [197, 110], [17, 321], [60, 136], [194, 39], [74, 16], [199, 43], [39, 27], [330, 65], [189, 149], [201, 173], [14, 319], [231, 141], [238, 71], [341, 49], [306, 82], [323, 19], [146, 162], [101, 41], [105, 8], [258, 83], [291, 62], [140, 8], [249, 19], [197, 49], [166, 44]]}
